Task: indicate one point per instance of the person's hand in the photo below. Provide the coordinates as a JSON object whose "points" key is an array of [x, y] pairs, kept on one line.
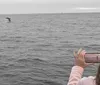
{"points": [[79, 59]]}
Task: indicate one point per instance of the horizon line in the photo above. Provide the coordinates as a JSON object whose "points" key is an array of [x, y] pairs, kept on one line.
{"points": [[48, 13]]}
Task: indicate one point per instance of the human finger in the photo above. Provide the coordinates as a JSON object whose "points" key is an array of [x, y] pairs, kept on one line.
{"points": [[83, 52], [88, 64], [75, 54], [79, 51], [81, 56]]}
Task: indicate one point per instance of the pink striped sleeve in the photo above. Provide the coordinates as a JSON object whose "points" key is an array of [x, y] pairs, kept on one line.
{"points": [[75, 76]]}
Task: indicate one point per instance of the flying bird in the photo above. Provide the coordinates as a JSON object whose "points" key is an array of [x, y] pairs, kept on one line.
{"points": [[9, 19]]}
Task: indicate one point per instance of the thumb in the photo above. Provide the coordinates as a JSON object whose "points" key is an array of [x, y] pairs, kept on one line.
{"points": [[88, 64], [91, 63]]}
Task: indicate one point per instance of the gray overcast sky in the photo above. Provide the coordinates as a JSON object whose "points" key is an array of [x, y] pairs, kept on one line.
{"points": [[48, 6]]}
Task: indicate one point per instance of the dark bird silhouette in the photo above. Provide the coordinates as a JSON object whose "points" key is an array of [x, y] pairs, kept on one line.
{"points": [[9, 19]]}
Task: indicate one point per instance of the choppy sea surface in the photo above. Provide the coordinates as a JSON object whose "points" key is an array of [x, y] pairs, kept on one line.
{"points": [[37, 49]]}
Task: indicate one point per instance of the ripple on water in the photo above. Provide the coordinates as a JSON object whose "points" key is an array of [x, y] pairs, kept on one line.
{"points": [[48, 82], [8, 75], [30, 60], [3, 56]]}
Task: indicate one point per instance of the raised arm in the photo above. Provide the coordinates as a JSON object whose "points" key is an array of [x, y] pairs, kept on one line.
{"points": [[75, 76], [77, 70]]}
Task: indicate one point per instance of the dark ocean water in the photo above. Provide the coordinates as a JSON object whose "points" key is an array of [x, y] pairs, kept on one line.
{"points": [[38, 49]]}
